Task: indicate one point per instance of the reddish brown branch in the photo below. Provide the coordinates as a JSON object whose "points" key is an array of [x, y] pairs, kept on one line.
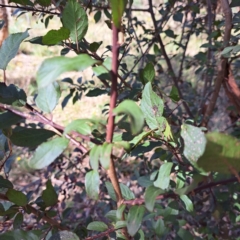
{"points": [[232, 90], [113, 100], [110, 126]]}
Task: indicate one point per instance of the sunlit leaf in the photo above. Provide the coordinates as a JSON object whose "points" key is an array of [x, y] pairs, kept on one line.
{"points": [[194, 142], [94, 156], [152, 108], [75, 19], [163, 178], [134, 219], [92, 182], [105, 156], [222, 154], [52, 68], [10, 48], [135, 114], [188, 203], [150, 197], [47, 98], [118, 7], [55, 36], [97, 226], [120, 211], [47, 152], [81, 126]]}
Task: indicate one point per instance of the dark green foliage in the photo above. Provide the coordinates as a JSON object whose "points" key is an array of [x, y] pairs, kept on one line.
{"points": [[155, 140]]}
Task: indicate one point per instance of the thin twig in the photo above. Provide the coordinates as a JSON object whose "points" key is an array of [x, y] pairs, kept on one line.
{"points": [[222, 67], [170, 68], [185, 49], [30, 9], [42, 119]]}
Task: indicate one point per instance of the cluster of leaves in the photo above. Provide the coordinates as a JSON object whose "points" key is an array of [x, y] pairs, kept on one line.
{"points": [[170, 173]]}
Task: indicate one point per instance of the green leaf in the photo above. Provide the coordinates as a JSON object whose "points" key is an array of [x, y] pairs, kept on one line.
{"points": [[17, 197], [135, 114], [145, 181], [170, 33], [227, 50], [49, 195], [120, 224], [111, 191], [174, 94], [44, 3], [22, 2], [97, 16], [94, 46], [188, 203], [236, 49], [12, 95], [120, 211], [222, 154], [111, 215], [134, 219], [30, 137], [75, 19], [148, 73], [7, 119], [152, 108], [47, 98], [163, 178], [55, 36], [194, 142], [178, 17], [51, 68], [126, 192], [94, 156], [5, 183], [150, 197], [81, 126], [235, 3], [97, 226], [47, 152], [64, 235], [105, 156], [118, 7], [159, 227], [92, 182], [168, 132], [96, 92], [18, 220], [10, 48], [22, 234]]}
